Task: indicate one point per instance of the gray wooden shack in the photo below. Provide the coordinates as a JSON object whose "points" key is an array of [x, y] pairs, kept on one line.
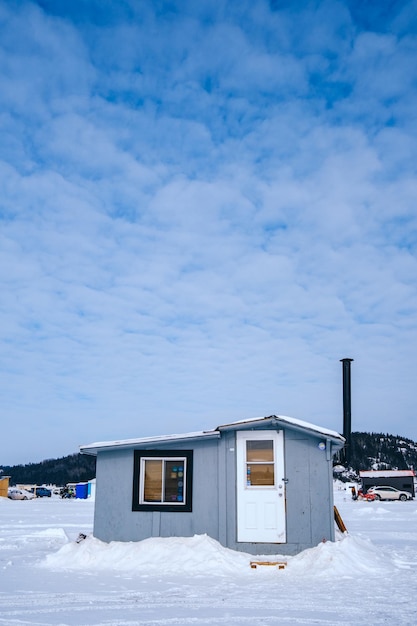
{"points": [[261, 485]]}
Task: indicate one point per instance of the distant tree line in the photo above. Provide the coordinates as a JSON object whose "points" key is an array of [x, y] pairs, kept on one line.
{"points": [[379, 451], [75, 468], [376, 451]]}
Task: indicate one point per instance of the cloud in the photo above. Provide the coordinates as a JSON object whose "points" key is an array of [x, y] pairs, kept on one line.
{"points": [[204, 207]]}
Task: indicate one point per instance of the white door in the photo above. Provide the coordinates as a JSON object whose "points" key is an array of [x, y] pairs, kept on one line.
{"points": [[260, 486]]}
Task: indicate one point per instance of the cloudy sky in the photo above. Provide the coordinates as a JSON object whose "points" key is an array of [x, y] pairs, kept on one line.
{"points": [[204, 206]]}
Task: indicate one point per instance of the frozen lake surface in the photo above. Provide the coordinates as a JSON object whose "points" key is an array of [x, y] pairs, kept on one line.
{"points": [[46, 578]]}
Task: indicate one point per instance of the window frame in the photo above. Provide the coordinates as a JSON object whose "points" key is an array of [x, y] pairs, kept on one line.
{"points": [[138, 480], [273, 462]]}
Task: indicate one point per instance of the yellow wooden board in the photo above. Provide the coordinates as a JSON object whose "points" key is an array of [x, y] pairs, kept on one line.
{"points": [[338, 519], [277, 564]]}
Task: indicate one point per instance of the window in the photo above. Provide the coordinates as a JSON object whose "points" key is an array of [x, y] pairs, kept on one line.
{"points": [[260, 463], [162, 480]]}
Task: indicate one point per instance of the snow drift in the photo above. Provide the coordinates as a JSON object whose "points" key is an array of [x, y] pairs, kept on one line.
{"points": [[202, 555]]}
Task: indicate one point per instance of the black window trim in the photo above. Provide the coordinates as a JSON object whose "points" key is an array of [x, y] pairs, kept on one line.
{"points": [[186, 507]]}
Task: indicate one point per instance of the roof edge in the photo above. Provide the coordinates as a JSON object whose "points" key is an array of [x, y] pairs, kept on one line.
{"points": [[93, 448], [288, 421], [279, 420]]}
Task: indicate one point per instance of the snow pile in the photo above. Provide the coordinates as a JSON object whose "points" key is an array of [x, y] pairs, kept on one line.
{"points": [[169, 555], [53, 533], [202, 555], [346, 558]]}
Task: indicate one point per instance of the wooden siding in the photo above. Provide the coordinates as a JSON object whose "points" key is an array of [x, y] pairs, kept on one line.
{"points": [[114, 519], [309, 495]]}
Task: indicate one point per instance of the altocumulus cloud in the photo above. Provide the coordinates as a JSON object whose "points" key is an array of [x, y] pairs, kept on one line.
{"points": [[204, 207]]}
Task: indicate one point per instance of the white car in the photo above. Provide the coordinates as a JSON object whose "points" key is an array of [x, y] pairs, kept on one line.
{"points": [[20, 494], [384, 492]]}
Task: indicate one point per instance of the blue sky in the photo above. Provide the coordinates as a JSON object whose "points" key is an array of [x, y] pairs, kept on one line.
{"points": [[204, 207]]}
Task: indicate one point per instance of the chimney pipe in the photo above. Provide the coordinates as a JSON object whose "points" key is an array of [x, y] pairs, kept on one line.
{"points": [[347, 409]]}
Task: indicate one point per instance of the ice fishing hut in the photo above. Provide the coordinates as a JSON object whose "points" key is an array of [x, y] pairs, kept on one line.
{"points": [[400, 479], [262, 485], [4, 486]]}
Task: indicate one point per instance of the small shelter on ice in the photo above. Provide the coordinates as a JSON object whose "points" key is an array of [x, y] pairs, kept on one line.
{"points": [[400, 479], [4, 486], [261, 485]]}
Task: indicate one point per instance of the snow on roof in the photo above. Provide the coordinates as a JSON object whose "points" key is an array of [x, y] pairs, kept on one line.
{"points": [[386, 473], [291, 421], [93, 448]]}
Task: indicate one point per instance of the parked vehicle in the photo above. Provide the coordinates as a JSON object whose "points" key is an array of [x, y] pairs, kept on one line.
{"points": [[370, 497], [384, 492], [67, 492], [41, 492], [19, 494]]}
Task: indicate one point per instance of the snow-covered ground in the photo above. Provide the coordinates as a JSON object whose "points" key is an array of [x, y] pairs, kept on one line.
{"points": [[46, 578]]}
